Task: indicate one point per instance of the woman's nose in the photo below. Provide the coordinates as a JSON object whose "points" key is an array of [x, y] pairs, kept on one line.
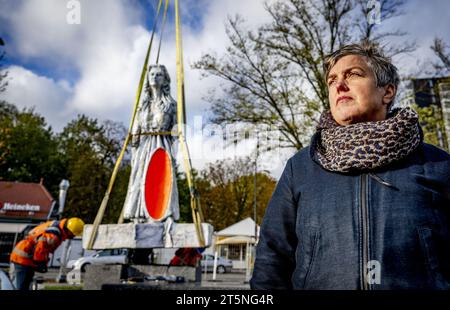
{"points": [[341, 86]]}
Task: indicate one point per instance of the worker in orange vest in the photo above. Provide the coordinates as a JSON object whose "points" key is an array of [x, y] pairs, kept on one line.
{"points": [[32, 253], [186, 257]]}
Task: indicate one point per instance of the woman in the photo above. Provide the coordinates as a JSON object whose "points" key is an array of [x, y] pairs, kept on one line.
{"points": [[365, 206]]}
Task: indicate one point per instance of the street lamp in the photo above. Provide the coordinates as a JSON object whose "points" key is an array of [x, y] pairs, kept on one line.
{"points": [[251, 253], [254, 184], [63, 187]]}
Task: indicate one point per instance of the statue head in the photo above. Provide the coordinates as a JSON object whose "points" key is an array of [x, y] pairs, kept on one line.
{"points": [[158, 77]]}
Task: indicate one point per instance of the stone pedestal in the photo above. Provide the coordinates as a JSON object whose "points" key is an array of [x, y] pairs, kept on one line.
{"points": [[146, 236], [74, 277], [114, 276], [97, 275], [190, 274]]}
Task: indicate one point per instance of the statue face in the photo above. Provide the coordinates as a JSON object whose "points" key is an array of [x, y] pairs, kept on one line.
{"points": [[156, 77]]}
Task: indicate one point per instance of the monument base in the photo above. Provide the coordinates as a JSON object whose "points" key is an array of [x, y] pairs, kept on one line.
{"points": [[146, 236]]}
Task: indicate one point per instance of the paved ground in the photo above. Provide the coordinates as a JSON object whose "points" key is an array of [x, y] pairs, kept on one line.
{"points": [[234, 280]]}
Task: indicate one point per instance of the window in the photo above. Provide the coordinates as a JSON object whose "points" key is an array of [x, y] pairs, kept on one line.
{"points": [[105, 253], [234, 251], [223, 251]]}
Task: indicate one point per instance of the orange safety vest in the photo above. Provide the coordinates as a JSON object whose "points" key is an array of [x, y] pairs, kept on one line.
{"points": [[39, 243]]}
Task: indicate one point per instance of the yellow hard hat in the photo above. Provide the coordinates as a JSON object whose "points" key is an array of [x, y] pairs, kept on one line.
{"points": [[75, 225]]}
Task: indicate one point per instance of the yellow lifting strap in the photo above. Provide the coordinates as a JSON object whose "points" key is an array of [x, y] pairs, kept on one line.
{"points": [[162, 30], [197, 215], [101, 211]]}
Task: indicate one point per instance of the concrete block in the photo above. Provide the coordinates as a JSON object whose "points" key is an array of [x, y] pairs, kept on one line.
{"points": [[189, 273], [97, 275], [131, 236], [74, 277], [146, 236], [185, 235]]}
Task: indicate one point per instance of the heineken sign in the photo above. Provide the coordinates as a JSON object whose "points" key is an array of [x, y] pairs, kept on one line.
{"points": [[19, 207]]}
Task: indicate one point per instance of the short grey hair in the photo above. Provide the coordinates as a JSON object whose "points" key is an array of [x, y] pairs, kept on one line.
{"points": [[385, 72]]}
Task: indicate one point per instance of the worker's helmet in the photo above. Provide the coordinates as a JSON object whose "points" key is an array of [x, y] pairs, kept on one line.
{"points": [[75, 225]]}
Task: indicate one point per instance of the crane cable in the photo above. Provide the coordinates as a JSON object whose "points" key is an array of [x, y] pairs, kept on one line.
{"points": [[101, 211], [162, 30]]}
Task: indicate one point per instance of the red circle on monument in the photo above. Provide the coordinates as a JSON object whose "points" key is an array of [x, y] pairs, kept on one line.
{"points": [[158, 184]]}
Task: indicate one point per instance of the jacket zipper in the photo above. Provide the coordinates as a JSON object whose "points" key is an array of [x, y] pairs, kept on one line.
{"points": [[364, 231]]}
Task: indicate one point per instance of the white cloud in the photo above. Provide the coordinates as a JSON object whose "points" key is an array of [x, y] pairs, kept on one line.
{"points": [[108, 47], [106, 50], [48, 96], [40, 30], [109, 76]]}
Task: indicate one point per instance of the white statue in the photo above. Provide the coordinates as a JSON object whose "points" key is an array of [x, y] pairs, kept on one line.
{"points": [[152, 194]]}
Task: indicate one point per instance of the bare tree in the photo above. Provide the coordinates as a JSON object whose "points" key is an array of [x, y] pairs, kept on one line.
{"points": [[439, 47], [366, 22], [227, 191], [275, 74]]}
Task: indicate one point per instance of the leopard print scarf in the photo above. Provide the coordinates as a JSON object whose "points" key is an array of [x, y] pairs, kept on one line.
{"points": [[365, 146]]}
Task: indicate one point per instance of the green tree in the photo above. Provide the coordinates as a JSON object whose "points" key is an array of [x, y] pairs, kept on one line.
{"points": [[84, 153], [8, 113], [28, 149], [91, 150], [432, 124], [118, 194], [274, 75], [265, 185], [184, 196]]}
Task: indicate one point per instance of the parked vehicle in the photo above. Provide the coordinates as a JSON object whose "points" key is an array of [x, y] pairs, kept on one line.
{"points": [[5, 282], [104, 257], [223, 265]]}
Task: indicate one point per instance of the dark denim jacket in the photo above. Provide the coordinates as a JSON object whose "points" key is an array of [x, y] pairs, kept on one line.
{"points": [[384, 229]]}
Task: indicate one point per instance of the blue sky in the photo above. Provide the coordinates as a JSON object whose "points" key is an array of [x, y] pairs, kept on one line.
{"points": [[93, 68]]}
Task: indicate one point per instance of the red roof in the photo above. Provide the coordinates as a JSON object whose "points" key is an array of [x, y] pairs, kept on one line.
{"points": [[24, 200]]}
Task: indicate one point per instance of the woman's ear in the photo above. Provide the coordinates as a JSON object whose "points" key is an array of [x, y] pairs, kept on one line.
{"points": [[389, 93]]}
